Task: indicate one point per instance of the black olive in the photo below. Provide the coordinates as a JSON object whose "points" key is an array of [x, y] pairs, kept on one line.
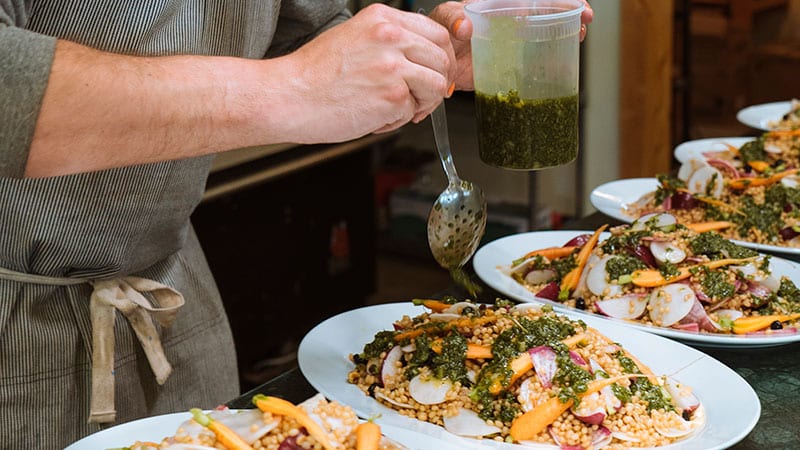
{"points": [[468, 311], [686, 415], [371, 389], [777, 325], [358, 359], [580, 303], [748, 169], [778, 163], [373, 369]]}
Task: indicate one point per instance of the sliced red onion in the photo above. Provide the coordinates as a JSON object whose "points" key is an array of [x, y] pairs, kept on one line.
{"points": [[290, 443], [549, 292], [591, 410], [578, 359], [788, 233], [688, 327], [544, 364], [724, 166], [601, 438], [697, 315], [443, 317], [758, 290], [644, 254], [682, 395], [682, 200], [578, 241]]}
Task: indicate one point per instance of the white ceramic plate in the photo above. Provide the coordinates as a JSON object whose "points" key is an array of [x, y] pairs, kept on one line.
{"points": [[157, 427], [759, 116], [613, 197], [732, 407], [503, 251], [689, 149]]}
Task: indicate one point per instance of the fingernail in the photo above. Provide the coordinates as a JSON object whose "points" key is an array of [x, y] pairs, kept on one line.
{"points": [[457, 25], [450, 91]]}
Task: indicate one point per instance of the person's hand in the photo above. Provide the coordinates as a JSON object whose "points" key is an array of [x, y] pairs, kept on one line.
{"points": [[451, 15], [375, 72]]}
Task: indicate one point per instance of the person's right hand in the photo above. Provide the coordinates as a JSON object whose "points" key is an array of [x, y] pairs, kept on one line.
{"points": [[372, 73]]}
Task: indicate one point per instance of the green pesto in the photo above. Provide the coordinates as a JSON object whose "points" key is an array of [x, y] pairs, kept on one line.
{"points": [[753, 151], [669, 270], [571, 378], [621, 392], [761, 216], [517, 133], [625, 241], [713, 245], [383, 341], [667, 186], [654, 395], [563, 266], [715, 284], [547, 330], [618, 266], [450, 363], [420, 356]]}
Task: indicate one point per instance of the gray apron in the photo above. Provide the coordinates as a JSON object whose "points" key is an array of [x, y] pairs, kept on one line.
{"points": [[64, 238]]}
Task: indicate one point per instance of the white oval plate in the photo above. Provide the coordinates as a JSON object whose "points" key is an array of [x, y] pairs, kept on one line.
{"points": [[503, 251], [759, 116], [689, 149], [612, 199], [157, 428], [732, 407]]}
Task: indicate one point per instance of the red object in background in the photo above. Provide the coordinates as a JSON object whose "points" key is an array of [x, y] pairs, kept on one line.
{"points": [[387, 181]]}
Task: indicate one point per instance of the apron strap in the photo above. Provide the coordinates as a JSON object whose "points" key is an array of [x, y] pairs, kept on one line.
{"points": [[123, 294]]}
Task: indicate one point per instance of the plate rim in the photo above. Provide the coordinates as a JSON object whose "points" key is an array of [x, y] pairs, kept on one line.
{"points": [[599, 198], [759, 123], [682, 151], [500, 282], [306, 353]]}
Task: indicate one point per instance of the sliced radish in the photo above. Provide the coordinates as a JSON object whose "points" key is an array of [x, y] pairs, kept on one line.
{"points": [[544, 364], [525, 396], [689, 167], [659, 220], [591, 410], [389, 367], [792, 181], [597, 279], [524, 308], [698, 316], [387, 399], [631, 306], [458, 308], [729, 314], [580, 289], [612, 402], [671, 303], [706, 180], [624, 436], [667, 252], [429, 391], [540, 276], [468, 423], [682, 395], [444, 317]]}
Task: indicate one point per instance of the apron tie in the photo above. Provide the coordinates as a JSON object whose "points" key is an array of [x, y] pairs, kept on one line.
{"points": [[123, 294]]}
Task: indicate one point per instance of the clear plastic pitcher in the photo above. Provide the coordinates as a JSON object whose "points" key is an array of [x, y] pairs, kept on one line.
{"points": [[525, 57]]}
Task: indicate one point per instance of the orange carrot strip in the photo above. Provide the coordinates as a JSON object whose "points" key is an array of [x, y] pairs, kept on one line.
{"points": [[281, 407], [551, 252], [368, 436], [783, 133], [654, 278], [744, 325], [434, 305], [570, 280], [758, 166], [744, 183], [439, 328], [709, 226], [225, 436], [474, 351], [533, 422]]}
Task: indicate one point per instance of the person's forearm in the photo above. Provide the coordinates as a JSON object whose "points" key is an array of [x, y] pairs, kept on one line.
{"points": [[103, 110]]}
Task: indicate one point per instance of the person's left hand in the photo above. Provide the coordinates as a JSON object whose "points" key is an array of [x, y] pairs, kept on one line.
{"points": [[451, 15]]}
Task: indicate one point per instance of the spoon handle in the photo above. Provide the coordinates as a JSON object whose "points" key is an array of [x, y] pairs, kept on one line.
{"points": [[439, 119]]}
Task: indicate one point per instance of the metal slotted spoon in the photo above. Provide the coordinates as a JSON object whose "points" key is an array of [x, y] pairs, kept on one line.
{"points": [[458, 218]]}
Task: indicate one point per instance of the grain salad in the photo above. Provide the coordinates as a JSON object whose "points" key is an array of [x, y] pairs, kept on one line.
{"points": [[276, 425], [661, 273], [522, 374], [790, 120], [750, 193]]}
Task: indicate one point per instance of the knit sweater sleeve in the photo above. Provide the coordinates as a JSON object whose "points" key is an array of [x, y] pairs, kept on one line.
{"points": [[25, 61]]}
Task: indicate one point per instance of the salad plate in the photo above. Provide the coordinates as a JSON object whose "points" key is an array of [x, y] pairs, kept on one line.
{"points": [[502, 251], [732, 407], [157, 427], [689, 149], [760, 116], [613, 199]]}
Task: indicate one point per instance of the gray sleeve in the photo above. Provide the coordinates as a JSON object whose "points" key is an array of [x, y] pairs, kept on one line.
{"points": [[25, 61], [302, 20]]}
